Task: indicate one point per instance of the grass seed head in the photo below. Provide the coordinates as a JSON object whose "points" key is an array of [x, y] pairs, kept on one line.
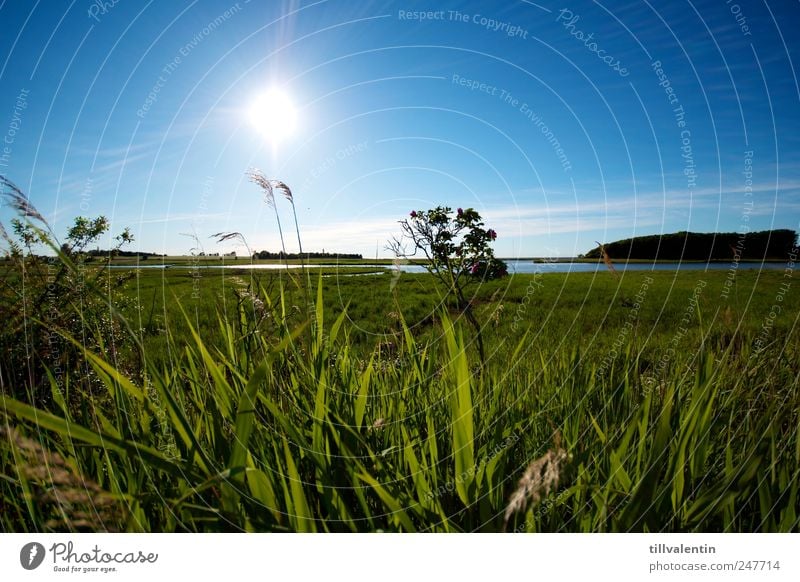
{"points": [[540, 479], [76, 503], [18, 201]]}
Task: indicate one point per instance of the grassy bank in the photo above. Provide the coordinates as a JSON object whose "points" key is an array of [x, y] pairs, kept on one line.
{"points": [[241, 401]]}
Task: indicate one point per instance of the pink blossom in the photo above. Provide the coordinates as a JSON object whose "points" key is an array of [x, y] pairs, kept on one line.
{"points": [[413, 214], [492, 234]]}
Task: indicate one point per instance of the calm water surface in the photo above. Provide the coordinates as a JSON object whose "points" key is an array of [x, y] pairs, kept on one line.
{"points": [[520, 267]]}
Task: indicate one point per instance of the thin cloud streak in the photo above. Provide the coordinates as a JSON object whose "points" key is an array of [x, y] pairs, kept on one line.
{"points": [[174, 218]]}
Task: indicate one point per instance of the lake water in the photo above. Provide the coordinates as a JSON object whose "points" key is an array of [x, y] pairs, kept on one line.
{"points": [[518, 267]]}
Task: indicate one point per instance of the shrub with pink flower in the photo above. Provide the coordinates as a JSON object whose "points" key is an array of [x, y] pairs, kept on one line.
{"points": [[489, 269], [456, 244], [458, 252]]}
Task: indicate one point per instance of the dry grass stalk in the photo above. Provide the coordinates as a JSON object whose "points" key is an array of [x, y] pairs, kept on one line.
{"points": [[257, 177], [195, 249], [287, 192], [18, 201], [79, 504], [540, 478], [259, 308], [497, 314], [269, 187], [727, 316], [379, 424], [225, 236], [606, 258], [4, 235]]}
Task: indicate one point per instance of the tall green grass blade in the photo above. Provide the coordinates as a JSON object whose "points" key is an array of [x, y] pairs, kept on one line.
{"points": [[363, 393], [302, 514], [72, 432], [396, 511], [461, 414]]}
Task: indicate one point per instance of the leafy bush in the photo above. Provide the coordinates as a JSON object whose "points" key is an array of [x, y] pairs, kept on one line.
{"points": [[44, 298]]}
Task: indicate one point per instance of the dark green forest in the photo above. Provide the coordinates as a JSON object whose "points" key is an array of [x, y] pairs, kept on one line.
{"points": [[702, 246]]}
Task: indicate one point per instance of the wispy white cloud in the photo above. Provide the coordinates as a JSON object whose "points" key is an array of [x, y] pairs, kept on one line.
{"points": [[115, 152], [113, 166], [647, 212], [187, 218], [342, 235]]}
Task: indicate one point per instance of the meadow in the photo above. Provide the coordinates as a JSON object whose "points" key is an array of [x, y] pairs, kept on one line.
{"points": [[264, 401]]}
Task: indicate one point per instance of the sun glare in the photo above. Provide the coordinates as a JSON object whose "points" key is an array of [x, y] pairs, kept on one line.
{"points": [[273, 114]]}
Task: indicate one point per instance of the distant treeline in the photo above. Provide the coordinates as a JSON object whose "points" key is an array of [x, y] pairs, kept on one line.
{"points": [[282, 255], [702, 246], [121, 253]]}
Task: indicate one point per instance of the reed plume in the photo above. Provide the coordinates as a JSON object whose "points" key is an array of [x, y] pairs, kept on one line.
{"points": [[199, 246], [540, 478], [269, 187], [287, 193], [257, 177], [18, 201], [224, 236], [73, 502]]}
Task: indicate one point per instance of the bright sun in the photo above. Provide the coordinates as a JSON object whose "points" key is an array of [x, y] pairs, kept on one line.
{"points": [[274, 115]]}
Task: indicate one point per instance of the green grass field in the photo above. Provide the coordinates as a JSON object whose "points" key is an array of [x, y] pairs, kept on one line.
{"points": [[244, 400]]}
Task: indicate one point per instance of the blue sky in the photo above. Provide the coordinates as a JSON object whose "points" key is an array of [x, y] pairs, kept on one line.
{"points": [[562, 123]]}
